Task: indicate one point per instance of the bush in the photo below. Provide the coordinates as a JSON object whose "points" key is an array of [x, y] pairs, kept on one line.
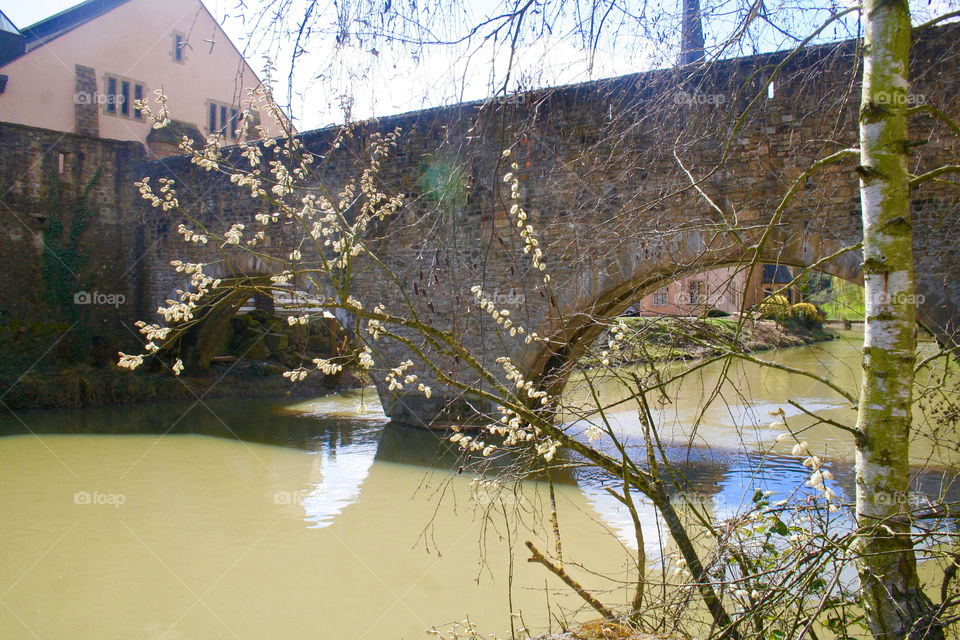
{"points": [[717, 313], [806, 314], [775, 308]]}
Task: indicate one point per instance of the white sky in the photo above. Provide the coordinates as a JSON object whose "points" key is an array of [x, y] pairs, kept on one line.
{"points": [[385, 84]]}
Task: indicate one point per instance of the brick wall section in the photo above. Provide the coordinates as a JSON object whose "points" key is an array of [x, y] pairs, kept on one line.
{"points": [[86, 109], [36, 198]]}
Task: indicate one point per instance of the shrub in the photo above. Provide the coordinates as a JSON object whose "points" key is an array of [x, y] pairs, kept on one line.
{"points": [[775, 308], [806, 314]]}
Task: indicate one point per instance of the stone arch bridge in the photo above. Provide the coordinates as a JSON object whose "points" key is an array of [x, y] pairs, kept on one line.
{"points": [[629, 183]]}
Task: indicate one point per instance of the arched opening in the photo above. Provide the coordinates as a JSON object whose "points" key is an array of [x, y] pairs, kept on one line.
{"points": [[720, 288], [726, 426], [248, 318]]}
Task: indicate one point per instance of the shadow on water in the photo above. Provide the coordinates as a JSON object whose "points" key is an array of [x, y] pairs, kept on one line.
{"points": [[260, 421]]}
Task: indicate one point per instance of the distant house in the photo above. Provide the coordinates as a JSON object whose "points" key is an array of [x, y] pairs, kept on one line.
{"points": [[723, 289], [83, 69], [774, 278]]}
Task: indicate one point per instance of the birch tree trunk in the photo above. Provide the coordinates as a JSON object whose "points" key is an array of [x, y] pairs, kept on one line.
{"points": [[896, 607]]}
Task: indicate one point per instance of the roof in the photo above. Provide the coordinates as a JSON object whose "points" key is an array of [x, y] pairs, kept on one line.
{"points": [[6, 24], [777, 274], [67, 20]]}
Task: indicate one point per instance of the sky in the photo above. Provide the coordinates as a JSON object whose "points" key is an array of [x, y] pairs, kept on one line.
{"points": [[379, 83], [372, 80]]}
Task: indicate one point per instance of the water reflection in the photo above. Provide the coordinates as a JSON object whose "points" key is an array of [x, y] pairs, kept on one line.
{"points": [[336, 477], [331, 514]]}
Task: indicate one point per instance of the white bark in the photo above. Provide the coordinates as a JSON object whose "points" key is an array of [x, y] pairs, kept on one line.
{"points": [[895, 604]]}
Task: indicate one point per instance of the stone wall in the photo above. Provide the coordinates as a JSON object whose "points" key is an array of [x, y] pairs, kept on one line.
{"points": [[58, 244], [86, 109]]}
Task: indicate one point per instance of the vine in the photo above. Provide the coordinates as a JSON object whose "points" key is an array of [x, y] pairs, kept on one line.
{"points": [[62, 259]]}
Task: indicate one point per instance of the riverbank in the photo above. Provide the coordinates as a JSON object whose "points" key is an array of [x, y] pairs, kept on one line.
{"points": [[648, 340], [247, 360], [79, 386], [667, 338]]}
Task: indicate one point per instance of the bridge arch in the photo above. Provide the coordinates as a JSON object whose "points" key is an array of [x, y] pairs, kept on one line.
{"points": [[613, 206], [242, 284], [592, 302]]}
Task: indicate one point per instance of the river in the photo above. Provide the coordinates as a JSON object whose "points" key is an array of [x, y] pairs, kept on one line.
{"points": [[299, 519]]}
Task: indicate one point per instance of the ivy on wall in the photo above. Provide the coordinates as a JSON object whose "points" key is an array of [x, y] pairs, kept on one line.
{"points": [[62, 259]]}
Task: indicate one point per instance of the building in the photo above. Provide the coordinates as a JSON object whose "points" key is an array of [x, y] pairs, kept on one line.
{"points": [[83, 69], [722, 289], [774, 279]]}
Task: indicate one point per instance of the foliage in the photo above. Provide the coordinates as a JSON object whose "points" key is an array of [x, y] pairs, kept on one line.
{"points": [[806, 314], [23, 343], [62, 258], [775, 307], [842, 300]]}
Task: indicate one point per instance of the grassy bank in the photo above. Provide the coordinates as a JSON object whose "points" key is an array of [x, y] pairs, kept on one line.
{"points": [[662, 339]]}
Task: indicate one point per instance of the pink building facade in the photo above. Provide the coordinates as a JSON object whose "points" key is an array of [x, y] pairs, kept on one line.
{"points": [[723, 289], [83, 70]]}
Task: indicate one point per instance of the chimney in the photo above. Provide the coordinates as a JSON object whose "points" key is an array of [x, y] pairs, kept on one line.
{"points": [[86, 106], [691, 39]]}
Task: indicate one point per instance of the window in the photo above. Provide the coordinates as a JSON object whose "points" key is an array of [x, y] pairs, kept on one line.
{"points": [[137, 97], [111, 101], [697, 291], [179, 43], [125, 97], [212, 120], [661, 297], [223, 119], [121, 93]]}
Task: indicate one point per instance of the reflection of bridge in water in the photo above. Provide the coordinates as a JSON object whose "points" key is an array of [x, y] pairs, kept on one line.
{"points": [[719, 481]]}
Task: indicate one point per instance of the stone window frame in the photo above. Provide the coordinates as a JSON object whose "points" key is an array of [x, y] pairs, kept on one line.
{"points": [[227, 118], [697, 291], [661, 297], [110, 101], [178, 38]]}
